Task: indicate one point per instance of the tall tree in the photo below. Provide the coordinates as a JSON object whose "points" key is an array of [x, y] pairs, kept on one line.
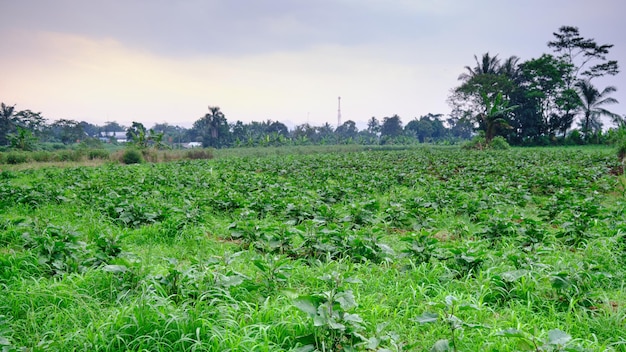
{"points": [[391, 127], [212, 129], [586, 57], [373, 125], [68, 131], [592, 102], [7, 122], [587, 60], [486, 65], [347, 131]]}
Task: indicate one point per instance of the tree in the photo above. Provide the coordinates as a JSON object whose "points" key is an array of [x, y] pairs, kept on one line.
{"points": [[489, 77], [586, 57], [347, 131], [7, 123], [137, 134], [494, 116], [90, 129], [486, 65], [587, 60], [68, 131], [391, 127], [22, 139], [277, 127], [592, 102], [212, 129], [543, 99], [373, 126], [112, 126]]}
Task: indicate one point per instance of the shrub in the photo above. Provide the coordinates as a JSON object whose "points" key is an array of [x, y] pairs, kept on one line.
{"points": [[2, 158], [499, 143], [98, 154], [132, 156], [70, 155], [16, 158], [42, 156], [477, 142], [199, 154]]}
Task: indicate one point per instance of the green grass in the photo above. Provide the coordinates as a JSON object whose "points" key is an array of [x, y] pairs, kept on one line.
{"points": [[231, 253]]}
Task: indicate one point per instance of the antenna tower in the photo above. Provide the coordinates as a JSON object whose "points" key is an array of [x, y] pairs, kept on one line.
{"points": [[338, 111]]}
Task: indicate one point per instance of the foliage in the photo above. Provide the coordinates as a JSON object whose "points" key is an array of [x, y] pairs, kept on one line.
{"points": [[337, 327], [132, 156], [224, 254]]}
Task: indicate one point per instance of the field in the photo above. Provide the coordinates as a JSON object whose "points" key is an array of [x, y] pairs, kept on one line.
{"points": [[384, 250]]}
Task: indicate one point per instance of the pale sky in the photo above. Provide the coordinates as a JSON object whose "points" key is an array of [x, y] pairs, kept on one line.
{"points": [[157, 61]]}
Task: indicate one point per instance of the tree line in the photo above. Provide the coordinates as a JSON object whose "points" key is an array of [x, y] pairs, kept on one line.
{"points": [[27, 130], [533, 102], [537, 102]]}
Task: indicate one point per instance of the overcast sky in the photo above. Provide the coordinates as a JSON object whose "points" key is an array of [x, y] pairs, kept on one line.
{"points": [[157, 61]]}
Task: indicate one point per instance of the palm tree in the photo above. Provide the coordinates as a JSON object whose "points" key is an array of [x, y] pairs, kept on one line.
{"points": [[486, 65], [592, 101], [6, 121]]}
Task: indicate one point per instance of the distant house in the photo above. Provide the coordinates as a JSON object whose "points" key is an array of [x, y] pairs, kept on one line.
{"points": [[192, 145], [119, 137]]}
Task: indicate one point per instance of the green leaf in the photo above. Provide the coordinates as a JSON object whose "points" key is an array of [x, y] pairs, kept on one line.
{"points": [[427, 317], [352, 280], [4, 341], [352, 317], [115, 268], [372, 343], [307, 304], [558, 337], [234, 280], [305, 348], [440, 346], [346, 300], [259, 264], [511, 333], [512, 276]]}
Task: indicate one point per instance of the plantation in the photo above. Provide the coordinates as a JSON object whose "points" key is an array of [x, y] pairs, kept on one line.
{"points": [[385, 250]]}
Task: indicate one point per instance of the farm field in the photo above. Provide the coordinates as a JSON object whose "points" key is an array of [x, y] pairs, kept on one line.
{"points": [[392, 250]]}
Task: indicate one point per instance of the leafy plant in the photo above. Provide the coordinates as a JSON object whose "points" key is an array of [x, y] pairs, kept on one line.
{"points": [[449, 308], [421, 247], [274, 270], [557, 340], [337, 328], [60, 249]]}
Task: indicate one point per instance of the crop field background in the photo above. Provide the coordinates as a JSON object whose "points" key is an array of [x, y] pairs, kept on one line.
{"points": [[432, 248]]}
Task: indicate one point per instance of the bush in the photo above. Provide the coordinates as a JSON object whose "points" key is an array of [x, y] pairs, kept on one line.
{"points": [[16, 158], [42, 156], [199, 154], [98, 154], [499, 143], [70, 155], [2, 158], [477, 142], [132, 156]]}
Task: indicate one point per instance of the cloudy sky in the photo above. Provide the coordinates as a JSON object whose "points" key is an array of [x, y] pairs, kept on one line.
{"points": [[159, 61]]}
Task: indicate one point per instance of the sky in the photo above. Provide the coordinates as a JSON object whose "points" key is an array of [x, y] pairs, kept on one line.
{"points": [[156, 61]]}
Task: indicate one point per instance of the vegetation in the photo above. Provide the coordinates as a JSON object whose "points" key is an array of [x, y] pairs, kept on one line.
{"points": [[392, 249], [529, 103]]}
